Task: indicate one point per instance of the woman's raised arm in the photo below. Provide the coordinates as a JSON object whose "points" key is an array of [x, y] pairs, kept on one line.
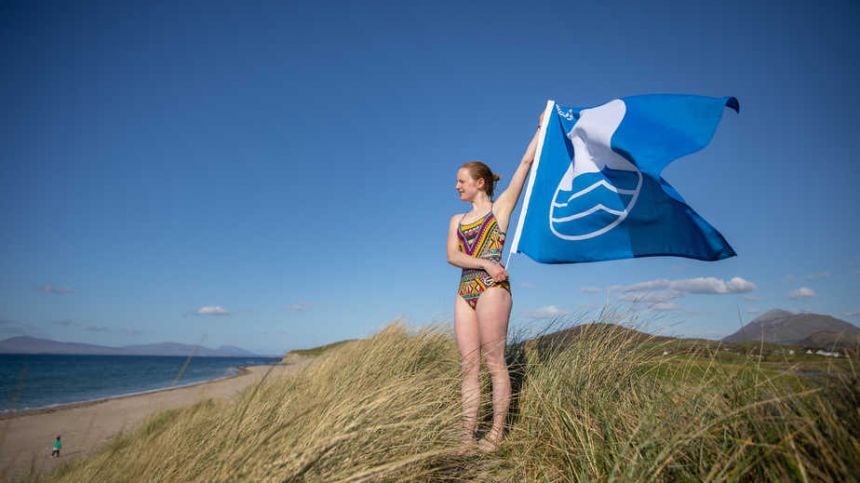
{"points": [[507, 201]]}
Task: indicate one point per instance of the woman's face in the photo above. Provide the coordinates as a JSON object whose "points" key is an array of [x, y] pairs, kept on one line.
{"points": [[467, 186]]}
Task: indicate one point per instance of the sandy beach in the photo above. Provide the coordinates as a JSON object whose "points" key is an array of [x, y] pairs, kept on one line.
{"points": [[26, 440]]}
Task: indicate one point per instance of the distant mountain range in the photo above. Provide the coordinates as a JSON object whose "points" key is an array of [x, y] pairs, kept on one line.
{"points": [[33, 345], [803, 329], [807, 330]]}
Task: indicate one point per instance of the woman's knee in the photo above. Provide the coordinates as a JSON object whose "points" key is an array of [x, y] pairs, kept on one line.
{"points": [[470, 365], [495, 361]]}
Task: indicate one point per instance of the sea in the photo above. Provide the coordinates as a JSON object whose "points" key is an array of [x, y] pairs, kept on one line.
{"points": [[29, 382]]}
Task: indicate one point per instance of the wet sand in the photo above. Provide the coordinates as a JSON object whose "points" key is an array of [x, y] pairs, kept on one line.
{"points": [[26, 439]]}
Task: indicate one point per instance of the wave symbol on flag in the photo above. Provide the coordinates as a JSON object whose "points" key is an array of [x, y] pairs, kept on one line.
{"points": [[600, 187]]}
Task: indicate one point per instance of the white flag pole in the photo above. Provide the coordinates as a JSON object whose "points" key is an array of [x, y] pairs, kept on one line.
{"points": [[532, 172]]}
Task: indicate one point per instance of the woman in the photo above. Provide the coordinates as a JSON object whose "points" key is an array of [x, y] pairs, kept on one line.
{"points": [[483, 306]]}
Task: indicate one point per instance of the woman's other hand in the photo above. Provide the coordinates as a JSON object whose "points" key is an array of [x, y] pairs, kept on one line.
{"points": [[496, 271]]}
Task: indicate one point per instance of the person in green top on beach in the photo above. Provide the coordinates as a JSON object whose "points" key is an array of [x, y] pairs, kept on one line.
{"points": [[57, 445]]}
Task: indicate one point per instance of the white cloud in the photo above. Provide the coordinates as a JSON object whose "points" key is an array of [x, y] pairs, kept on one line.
{"points": [[802, 293], [591, 290], [212, 310], [659, 284], [48, 288], [658, 297], [547, 312], [740, 285], [297, 307], [753, 310], [659, 294], [711, 285], [853, 313], [700, 285]]}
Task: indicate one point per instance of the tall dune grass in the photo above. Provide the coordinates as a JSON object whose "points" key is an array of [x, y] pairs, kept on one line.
{"points": [[605, 406]]}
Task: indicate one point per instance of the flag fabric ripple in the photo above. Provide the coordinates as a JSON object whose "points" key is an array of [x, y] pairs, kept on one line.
{"points": [[595, 191]]}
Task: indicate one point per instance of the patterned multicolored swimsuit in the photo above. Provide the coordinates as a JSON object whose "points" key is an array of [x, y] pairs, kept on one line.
{"points": [[480, 239]]}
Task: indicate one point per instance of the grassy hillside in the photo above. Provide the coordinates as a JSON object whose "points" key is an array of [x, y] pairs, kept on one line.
{"points": [[606, 405], [314, 351]]}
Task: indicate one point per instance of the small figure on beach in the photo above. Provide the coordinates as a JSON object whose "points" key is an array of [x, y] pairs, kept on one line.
{"points": [[58, 444], [482, 308]]}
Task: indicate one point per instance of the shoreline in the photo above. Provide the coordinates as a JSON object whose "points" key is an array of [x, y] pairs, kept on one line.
{"points": [[12, 414], [26, 437]]}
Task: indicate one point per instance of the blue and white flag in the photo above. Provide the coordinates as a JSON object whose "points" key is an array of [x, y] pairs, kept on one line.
{"points": [[595, 190]]}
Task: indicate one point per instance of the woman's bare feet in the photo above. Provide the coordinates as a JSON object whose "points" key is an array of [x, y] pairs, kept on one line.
{"points": [[467, 445], [490, 442], [485, 446]]}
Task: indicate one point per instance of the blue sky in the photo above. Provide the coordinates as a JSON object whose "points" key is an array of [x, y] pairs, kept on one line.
{"points": [[276, 175]]}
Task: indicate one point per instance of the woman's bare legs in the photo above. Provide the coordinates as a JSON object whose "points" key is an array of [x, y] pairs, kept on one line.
{"points": [[493, 313], [469, 345], [484, 331]]}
